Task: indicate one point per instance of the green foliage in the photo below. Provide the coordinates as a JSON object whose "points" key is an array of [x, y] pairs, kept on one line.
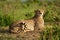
{"points": [[52, 14]]}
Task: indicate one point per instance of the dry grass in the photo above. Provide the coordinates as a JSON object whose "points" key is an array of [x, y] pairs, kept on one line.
{"points": [[4, 34]]}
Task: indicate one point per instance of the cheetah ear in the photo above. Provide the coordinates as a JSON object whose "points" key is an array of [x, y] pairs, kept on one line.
{"points": [[35, 11]]}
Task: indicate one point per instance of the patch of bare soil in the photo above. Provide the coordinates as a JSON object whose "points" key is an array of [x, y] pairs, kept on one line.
{"points": [[31, 35]]}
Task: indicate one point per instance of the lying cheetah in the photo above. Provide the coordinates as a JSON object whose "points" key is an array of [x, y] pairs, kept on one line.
{"points": [[29, 24]]}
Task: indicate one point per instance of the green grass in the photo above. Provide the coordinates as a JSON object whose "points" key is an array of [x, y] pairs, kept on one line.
{"points": [[13, 11], [52, 32]]}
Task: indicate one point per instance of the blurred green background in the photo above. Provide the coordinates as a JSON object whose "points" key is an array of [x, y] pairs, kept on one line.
{"points": [[13, 10]]}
